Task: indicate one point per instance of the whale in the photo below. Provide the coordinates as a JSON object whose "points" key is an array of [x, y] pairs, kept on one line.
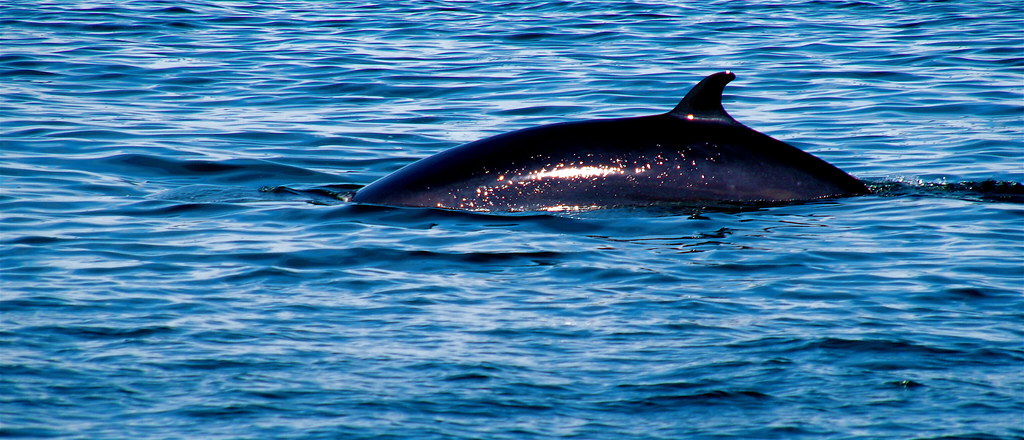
{"points": [[695, 154]]}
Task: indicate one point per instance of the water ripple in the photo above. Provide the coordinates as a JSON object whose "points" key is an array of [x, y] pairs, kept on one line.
{"points": [[175, 245]]}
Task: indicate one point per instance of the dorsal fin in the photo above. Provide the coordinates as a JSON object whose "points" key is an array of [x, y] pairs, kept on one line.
{"points": [[705, 99]]}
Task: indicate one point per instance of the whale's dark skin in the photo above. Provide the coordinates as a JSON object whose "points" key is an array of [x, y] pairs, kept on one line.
{"points": [[695, 153]]}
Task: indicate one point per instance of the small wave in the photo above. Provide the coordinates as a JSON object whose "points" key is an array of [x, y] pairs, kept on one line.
{"points": [[984, 190], [231, 171], [714, 397], [176, 10], [26, 72], [102, 332]]}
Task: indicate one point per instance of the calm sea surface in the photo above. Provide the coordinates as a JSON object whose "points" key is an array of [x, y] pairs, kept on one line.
{"points": [[178, 260]]}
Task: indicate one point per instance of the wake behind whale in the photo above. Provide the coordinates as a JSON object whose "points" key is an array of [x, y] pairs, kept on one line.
{"points": [[694, 153]]}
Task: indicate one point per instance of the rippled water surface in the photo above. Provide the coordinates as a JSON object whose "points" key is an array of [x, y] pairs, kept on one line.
{"points": [[178, 260]]}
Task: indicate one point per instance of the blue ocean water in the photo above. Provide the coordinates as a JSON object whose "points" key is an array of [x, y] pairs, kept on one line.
{"points": [[178, 260]]}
